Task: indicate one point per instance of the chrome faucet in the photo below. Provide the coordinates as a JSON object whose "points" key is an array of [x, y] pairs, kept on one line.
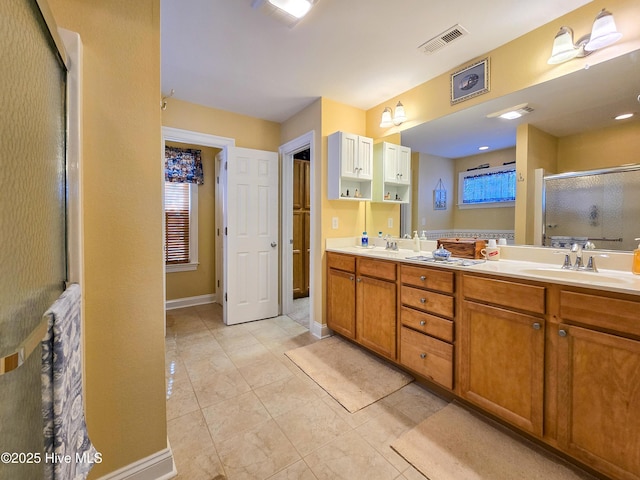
{"points": [[577, 249], [578, 265]]}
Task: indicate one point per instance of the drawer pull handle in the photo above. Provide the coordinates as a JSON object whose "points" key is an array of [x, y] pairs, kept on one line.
{"points": [[423, 355], [562, 333], [423, 300], [423, 278], [423, 323], [537, 326]]}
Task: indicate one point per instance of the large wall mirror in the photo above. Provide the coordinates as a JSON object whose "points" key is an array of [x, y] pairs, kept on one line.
{"points": [[574, 114]]}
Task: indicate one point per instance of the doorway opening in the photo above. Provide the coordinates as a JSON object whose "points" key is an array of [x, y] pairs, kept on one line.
{"points": [[298, 215]]}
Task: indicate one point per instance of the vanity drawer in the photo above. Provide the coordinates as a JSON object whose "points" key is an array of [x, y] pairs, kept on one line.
{"points": [[426, 301], [427, 278], [510, 294], [600, 311], [377, 268], [340, 261], [426, 323], [431, 358]]}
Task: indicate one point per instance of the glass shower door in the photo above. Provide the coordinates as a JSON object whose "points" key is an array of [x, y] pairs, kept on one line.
{"points": [[32, 221]]}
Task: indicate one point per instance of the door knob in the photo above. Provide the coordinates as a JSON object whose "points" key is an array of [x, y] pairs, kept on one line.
{"points": [[274, 244]]}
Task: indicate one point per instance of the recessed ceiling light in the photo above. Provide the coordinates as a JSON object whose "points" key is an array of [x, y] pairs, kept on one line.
{"points": [[484, 147], [297, 8], [623, 116]]}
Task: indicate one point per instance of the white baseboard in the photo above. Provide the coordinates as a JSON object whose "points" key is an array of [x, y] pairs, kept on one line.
{"points": [[319, 330], [190, 301], [158, 466]]}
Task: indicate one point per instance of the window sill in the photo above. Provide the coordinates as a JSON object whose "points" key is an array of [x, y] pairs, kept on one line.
{"points": [[181, 267], [487, 205]]}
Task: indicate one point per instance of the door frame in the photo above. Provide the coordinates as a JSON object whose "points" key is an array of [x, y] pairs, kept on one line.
{"points": [[206, 140], [287, 151]]}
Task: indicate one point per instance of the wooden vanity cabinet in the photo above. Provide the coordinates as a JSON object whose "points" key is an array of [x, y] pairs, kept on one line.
{"points": [[362, 300], [426, 316], [599, 382], [376, 298], [341, 294], [501, 349]]}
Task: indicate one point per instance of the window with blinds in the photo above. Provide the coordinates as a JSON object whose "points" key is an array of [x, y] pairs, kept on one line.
{"points": [[177, 212], [487, 187]]}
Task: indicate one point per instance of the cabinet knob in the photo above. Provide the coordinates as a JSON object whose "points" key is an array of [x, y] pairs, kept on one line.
{"points": [[562, 333], [423, 300], [351, 278], [423, 278], [358, 279], [423, 323], [537, 326], [423, 355]]}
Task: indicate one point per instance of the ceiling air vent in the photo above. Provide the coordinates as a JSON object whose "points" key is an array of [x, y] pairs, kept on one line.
{"points": [[443, 39]]}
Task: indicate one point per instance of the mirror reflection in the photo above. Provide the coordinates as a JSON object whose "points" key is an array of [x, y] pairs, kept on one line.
{"points": [[568, 126]]}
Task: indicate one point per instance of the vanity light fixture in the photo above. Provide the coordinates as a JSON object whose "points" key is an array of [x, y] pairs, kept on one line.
{"points": [[603, 34], [388, 118]]}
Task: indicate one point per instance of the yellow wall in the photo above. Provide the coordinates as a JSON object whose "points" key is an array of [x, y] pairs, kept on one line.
{"points": [[501, 218], [200, 281], [123, 264], [431, 169], [514, 66], [608, 147], [248, 132]]}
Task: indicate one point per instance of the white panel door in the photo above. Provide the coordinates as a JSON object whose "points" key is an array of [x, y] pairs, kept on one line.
{"points": [[251, 235]]}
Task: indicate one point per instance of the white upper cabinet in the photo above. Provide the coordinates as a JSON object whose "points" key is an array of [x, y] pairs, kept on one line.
{"points": [[392, 173], [350, 166]]}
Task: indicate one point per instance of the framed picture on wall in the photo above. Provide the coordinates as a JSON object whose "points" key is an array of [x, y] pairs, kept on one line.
{"points": [[471, 81], [440, 197]]}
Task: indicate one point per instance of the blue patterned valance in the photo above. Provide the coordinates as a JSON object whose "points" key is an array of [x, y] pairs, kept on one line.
{"points": [[183, 165]]}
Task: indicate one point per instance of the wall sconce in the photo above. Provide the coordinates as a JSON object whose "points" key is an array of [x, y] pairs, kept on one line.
{"points": [[603, 34], [388, 119]]}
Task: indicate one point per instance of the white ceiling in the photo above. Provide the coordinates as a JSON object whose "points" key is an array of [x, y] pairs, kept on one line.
{"points": [[226, 55]]}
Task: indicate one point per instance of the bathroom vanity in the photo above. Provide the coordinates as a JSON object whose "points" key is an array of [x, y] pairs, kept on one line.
{"points": [[555, 354]]}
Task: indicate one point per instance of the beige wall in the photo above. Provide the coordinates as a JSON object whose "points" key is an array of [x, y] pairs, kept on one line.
{"points": [[501, 218], [123, 264], [431, 169], [202, 280]]}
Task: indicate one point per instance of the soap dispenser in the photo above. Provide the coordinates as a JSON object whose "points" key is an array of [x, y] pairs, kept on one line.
{"points": [[635, 267], [416, 241]]}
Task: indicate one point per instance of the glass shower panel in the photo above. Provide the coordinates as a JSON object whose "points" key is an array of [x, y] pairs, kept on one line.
{"points": [[32, 217], [601, 206]]}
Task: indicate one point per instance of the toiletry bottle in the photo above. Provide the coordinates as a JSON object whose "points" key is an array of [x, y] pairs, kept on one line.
{"points": [[379, 234], [635, 268], [416, 241], [365, 239]]}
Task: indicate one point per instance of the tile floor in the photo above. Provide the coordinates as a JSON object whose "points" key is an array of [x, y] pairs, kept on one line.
{"points": [[238, 408]]}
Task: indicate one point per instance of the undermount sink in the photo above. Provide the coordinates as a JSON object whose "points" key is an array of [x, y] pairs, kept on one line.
{"points": [[574, 275]]}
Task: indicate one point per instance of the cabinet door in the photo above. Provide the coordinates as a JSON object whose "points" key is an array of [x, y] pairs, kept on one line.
{"points": [[341, 302], [298, 254], [376, 315], [298, 183], [599, 400], [365, 158], [349, 164], [390, 160], [502, 363], [404, 165]]}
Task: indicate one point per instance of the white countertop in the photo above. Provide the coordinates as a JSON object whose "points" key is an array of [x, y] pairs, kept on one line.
{"points": [[529, 263]]}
